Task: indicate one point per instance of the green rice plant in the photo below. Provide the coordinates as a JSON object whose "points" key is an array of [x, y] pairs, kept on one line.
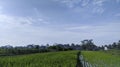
{"points": [[61, 59], [51, 59], [101, 59]]}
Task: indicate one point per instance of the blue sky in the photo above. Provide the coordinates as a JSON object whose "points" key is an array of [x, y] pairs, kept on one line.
{"points": [[24, 22]]}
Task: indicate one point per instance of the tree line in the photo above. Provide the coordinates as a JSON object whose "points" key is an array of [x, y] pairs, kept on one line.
{"points": [[87, 44]]}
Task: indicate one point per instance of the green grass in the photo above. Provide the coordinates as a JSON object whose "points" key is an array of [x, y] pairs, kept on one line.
{"points": [[51, 59], [113, 52], [102, 58], [109, 58]]}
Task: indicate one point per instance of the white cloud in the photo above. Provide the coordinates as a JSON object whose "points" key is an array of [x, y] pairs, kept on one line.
{"points": [[14, 20], [98, 6], [98, 2], [95, 5], [72, 3], [85, 2], [43, 21], [17, 30], [18, 21], [79, 28], [104, 32], [99, 30], [39, 17], [14, 29], [27, 34], [20, 30], [99, 10]]}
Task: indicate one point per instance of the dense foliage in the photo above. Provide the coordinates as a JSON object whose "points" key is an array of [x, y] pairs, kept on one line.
{"points": [[29, 49]]}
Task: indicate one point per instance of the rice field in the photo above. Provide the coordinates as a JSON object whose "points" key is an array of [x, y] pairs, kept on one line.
{"points": [[51, 59], [102, 59], [61, 59]]}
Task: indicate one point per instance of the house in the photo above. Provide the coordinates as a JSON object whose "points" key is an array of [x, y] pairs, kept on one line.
{"points": [[105, 48]]}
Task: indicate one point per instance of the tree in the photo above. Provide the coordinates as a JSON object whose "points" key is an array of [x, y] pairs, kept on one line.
{"points": [[114, 45], [88, 44], [37, 46], [72, 44], [119, 44]]}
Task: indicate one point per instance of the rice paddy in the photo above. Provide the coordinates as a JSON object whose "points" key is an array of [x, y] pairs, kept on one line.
{"points": [[61, 59], [51, 59], [102, 59]]}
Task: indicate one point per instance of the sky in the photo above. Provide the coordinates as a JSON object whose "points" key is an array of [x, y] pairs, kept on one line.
{"points": [[24, 22]]}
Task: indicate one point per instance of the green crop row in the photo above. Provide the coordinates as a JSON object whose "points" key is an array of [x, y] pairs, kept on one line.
{"points": [[61, 59], [52, 59], [102, 59]]}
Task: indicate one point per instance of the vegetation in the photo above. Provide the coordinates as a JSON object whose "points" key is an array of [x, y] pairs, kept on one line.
{"points": [[108, 58], [113, 52], [103, 58], [48, 56], [29, 49], [51, 59]]}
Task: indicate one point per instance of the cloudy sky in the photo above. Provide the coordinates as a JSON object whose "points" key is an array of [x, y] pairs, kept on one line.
{"points": [[24, 22]]}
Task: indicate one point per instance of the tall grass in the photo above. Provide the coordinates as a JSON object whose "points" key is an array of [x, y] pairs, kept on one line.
{"points": [[52, 59], [102, 59], [61, 59]]}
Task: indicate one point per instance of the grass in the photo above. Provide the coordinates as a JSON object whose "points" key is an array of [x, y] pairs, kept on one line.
{"points": [[51, 59], [103, 58], [113, 52], [109, 58]]}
